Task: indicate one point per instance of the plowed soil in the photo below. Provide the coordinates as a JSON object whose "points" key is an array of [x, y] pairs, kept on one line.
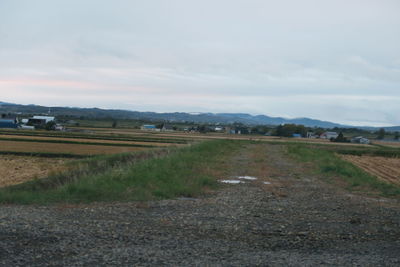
{"points": [[386, 169], [17, 169], [79, 149]]}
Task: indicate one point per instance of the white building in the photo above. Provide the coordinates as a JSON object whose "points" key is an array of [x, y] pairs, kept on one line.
{"points": [[360, 140], [329, 135], [46, 118]]}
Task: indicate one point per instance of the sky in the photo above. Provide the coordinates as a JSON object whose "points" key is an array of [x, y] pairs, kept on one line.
{"points": [[324, 59]]}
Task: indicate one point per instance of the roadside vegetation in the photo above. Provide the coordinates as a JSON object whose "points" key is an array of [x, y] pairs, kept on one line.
{"points": [[147, 175], [327, 162]]}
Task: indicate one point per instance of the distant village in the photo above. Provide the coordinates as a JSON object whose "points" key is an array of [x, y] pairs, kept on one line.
{"points": [[50, 123]]}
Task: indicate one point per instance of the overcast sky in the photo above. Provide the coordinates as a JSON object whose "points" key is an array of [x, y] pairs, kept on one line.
{"points": [[325, 59]]}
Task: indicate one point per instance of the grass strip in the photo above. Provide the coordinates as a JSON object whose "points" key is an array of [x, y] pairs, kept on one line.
{"points": [[148, 175], [326, 162]]}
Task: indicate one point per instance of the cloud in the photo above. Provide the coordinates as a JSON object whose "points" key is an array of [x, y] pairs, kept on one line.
{"points": [[335, 60]]}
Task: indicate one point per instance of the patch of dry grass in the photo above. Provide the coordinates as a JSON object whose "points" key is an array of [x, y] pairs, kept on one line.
{"points": [[19, 169]]}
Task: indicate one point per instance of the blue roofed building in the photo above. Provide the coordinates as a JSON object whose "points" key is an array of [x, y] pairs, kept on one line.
{"points": [[8, 123], [149, 127]]}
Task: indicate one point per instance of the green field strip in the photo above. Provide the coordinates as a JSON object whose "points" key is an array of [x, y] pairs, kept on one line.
{"points": [[45, 154]]}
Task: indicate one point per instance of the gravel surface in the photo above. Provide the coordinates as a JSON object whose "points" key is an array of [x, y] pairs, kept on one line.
{"points": [[297, 220]]}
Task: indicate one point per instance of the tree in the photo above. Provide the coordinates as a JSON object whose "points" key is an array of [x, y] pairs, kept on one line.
{"points": [[287, 130], [381, 133], [396, 136], [50, 126], [340, 138], [114, 124]]}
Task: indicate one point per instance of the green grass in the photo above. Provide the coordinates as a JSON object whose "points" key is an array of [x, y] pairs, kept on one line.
{"points": [[327, 163], [155, 174]]}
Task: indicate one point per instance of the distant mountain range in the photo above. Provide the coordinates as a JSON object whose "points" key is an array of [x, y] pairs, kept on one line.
{"points": [[222, 118]]}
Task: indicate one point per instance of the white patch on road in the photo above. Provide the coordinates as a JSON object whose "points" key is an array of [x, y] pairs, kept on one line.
{"points": [[232, 182], [247, 177], [266, 183]]}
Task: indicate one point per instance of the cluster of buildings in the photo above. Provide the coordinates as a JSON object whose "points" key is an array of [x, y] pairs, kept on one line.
{"points": [[324, 135], [13, 122], [334, 135]]}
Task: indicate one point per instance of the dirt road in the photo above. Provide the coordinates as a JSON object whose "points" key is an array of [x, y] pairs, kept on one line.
{"points": [[296, 220]]}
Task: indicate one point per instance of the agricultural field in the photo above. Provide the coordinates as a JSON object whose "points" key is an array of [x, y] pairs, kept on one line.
{"points": [[80, 140], [388, 144], [19, 169], [26, 155], [74, 149], [386, 169]]}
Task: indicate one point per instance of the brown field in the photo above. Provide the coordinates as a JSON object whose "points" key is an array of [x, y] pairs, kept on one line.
{"points": [[386, 169], [19, 169], [388, 144], [86, 140], [16, 146]]}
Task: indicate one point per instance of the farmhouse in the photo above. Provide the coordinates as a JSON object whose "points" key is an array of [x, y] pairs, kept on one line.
{"points": [[311, 135], [239, 130], [360, 140], [329, 135]]}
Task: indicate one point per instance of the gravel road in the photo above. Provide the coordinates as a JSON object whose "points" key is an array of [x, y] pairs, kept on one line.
{"points": [[297, 220]]}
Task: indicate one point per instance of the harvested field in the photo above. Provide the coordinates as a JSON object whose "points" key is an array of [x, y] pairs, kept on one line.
{"points": [[86, 140], [388, 144], [17, 169], [78, 149], [386, 169]]}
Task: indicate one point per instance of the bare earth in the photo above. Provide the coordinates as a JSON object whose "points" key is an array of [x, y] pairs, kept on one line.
{"points": [[297, 220], [386, 169], [19, 169]]}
